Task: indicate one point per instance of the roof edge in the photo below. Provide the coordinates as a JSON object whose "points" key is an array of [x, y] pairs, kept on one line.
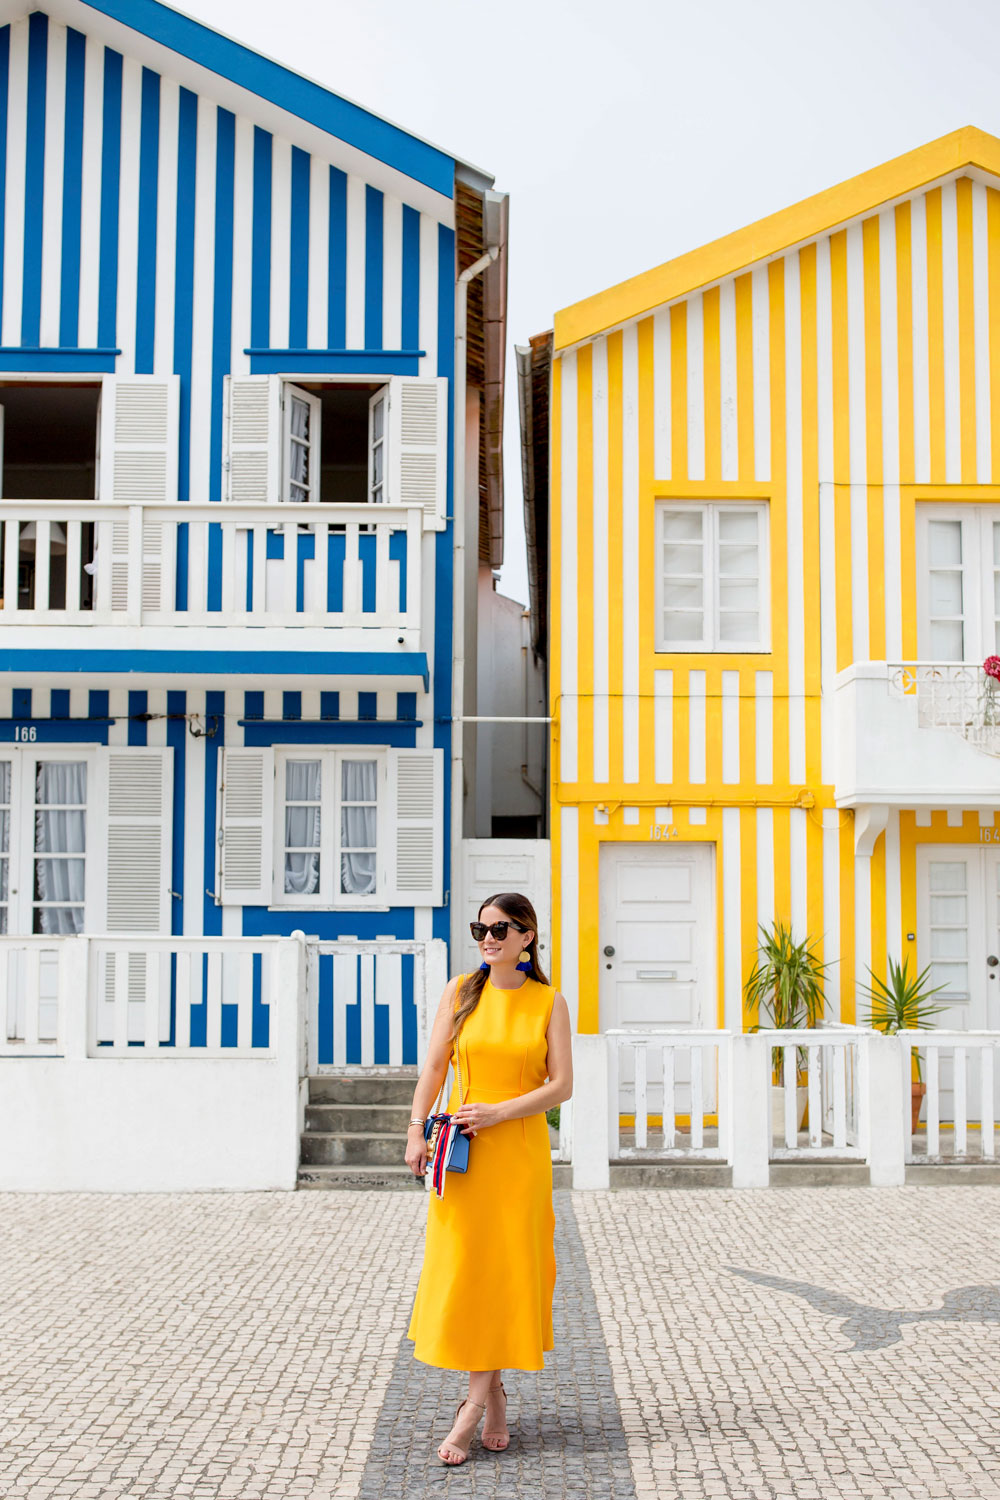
{"points": [[968, 146]]}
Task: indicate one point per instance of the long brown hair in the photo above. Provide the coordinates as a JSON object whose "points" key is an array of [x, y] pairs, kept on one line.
{"points": [[520, 910]]}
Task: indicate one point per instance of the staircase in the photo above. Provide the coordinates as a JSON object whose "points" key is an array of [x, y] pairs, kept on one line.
{"points": [[355, 1133]]}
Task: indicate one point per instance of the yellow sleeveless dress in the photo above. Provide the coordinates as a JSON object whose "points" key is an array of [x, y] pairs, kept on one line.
{"points": [[484, 1301]]}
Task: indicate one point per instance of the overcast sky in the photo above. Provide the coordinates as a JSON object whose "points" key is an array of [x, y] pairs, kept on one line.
{"points": [[629, 131]]}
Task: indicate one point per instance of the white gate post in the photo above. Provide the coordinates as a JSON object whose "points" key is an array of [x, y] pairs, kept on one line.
{"points": [[883, 1102], [287, 1044], [750, 1121], [591, 1169], [73, 1027], [435, 978]]}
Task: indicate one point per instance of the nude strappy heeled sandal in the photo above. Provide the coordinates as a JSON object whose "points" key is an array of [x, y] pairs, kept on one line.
{"points": [[453, 1463], [500, 1440]]}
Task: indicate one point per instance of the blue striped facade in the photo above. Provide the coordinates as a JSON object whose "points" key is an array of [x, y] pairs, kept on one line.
{"points": [[149, 229]]}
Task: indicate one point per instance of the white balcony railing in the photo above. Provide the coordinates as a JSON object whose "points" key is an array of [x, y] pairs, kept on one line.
{"points": [[952, 695], [83, 563]]}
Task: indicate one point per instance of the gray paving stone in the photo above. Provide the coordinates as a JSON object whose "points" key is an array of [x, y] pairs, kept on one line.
{"points": [[566, 1431]]}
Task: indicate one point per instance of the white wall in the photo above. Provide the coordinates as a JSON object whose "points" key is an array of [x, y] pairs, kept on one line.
{"points": [[511, 683], [117, 1125]]}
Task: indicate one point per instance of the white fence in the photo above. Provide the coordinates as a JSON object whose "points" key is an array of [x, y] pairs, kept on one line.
{"points": [[81, 563], [837, 1093]]}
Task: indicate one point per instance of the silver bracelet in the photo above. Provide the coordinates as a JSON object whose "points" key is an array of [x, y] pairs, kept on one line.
{"points": [[418, 1122]]}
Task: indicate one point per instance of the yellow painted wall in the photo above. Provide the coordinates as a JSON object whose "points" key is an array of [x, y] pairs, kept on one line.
{"points": [[843, 381]]}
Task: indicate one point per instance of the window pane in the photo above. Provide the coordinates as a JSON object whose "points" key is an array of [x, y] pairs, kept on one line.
{"points": [[737, 596], [301, 874], [357, 829], [359, 780], [5, 781], [4, 832], [59, 879], [378, 420], [683, 595], [60, 832], [740, 561], [300, 418], [683, 627], [303, 780], [357, 874], [57, 921], [949, 942], [61, 781], [944, 542], [682, 525], [950, 909], [685, 561], [954, 977], [947, 876], [738, 526], [3, 880], [947, 640], [946, 593], [741, 629], [302, 827]]}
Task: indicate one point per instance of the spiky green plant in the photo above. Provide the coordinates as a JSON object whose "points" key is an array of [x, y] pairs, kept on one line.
{"points": [[900, 1003], [786, 984]]}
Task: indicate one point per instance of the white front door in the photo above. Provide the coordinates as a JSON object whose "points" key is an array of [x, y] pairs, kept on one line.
{"points": [[657, 952], [958, 936]]}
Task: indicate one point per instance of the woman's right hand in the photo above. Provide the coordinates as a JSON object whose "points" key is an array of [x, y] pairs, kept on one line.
{"points": [[416, 1150]]}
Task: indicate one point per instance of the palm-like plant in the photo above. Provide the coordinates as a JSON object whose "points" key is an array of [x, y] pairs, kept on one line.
{"points": [[786, 984], [902, 1003]]}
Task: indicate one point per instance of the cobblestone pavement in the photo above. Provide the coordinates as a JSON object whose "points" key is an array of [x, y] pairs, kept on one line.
{"points": [[816, 1344], [566, 1432], [809, 1343]]}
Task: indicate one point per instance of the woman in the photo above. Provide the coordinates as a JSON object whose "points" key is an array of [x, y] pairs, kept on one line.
{"points": [[484, 1303]]}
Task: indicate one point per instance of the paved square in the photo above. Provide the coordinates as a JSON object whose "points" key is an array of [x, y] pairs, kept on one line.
{"points": [[807, 1343]]}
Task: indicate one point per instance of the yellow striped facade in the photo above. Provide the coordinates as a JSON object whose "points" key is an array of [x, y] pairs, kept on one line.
{"points": [[837, 363]]}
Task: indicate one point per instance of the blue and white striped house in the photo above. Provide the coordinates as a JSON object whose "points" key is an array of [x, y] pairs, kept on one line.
{"points": [[238, 376]]}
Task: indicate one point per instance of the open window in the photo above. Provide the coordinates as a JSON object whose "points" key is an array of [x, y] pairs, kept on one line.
{"points": [[48, 439], [338, 442]]}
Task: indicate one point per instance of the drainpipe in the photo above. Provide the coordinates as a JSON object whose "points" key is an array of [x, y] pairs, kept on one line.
{"points": [[458, 591]]}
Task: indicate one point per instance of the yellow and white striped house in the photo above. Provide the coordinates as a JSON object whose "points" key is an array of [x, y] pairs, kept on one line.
{"points": [[775, 573]]}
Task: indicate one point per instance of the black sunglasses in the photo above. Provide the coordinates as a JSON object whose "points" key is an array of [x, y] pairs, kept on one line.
{"points": [[498, 930]]}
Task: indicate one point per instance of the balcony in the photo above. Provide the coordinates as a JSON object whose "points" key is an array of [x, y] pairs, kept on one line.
{"points": [[337, 581], [916, 734]]}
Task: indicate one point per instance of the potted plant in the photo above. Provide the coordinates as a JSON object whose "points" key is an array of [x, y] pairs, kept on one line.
{"points": [[786, 985], [900, 1003]]}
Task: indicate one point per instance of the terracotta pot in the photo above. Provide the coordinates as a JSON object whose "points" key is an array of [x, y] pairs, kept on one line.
{"points": [[917, 1092]]}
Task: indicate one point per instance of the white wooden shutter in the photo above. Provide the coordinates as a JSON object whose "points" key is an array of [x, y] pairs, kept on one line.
{"points": [[252, 462], [138, 439], [416, 826], [417, 460], [139, 802], [246, 838]]}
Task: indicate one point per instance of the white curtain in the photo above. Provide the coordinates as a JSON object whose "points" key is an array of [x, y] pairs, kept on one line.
{"points": [[4, 841], [358, 828], [298, 452], [60, 831], [302, 827]]}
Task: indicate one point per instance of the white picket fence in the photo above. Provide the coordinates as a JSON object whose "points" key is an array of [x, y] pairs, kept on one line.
{"points": [[174, 997], [84, 563], [673, 1095]]}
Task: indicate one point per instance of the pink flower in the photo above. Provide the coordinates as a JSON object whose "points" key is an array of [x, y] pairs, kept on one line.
{"points": [[991, 666]]}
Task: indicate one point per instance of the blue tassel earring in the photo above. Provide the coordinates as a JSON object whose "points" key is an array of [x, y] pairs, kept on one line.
{"points": [[525, 966], [484, 966]]}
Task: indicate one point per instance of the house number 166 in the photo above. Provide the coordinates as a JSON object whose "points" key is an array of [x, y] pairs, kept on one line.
{"points": [[24, 732]]}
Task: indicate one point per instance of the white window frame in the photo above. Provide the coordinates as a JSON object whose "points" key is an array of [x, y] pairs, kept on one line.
{"points": [[328, 893], [978, 620], [21, 853], [711, 640], [290, 391]]}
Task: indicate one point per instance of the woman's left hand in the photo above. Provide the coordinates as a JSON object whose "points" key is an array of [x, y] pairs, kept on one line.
{"points": [[474, 1117]]}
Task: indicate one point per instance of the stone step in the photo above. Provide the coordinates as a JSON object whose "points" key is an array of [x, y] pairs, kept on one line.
{"points": [[358, 1179], [390, 1179], [348, 1119], [669, 1174], [819, 1174], [380, 1088], [367, 1150]]}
